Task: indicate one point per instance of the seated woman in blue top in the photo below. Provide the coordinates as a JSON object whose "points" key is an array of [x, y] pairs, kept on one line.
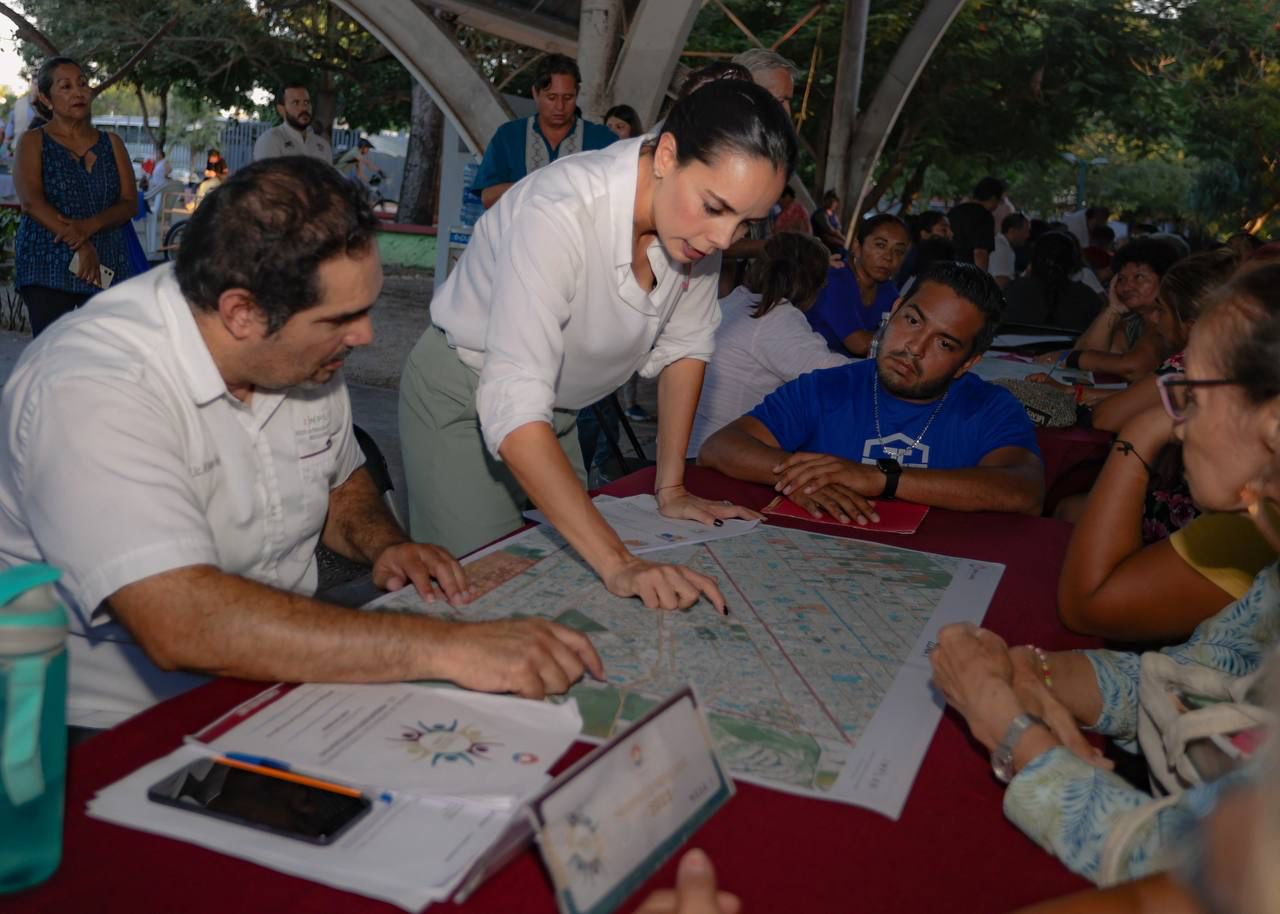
{"points": [[76, 188], [858, 295], [912, 423]]}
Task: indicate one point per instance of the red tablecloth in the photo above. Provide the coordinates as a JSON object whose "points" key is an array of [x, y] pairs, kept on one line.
{"points": [[952, 850]]}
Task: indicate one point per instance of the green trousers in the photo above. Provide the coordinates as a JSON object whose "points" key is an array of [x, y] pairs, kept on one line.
{"points": [[460, 497]]}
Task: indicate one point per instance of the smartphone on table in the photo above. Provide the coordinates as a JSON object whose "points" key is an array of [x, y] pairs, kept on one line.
{"points": [[281, 803]]}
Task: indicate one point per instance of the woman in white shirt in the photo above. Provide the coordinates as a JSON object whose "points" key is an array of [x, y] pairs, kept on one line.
{"points": [[764, 339], [599, 265]]}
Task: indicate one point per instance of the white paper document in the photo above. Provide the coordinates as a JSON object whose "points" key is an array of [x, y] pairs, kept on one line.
{"points": [[642, 529], [996, 367], [406, 851], [423, 740], [1014, 340]]}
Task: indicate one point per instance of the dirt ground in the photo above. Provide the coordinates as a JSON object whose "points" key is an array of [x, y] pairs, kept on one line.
{"points": [[399, 317]]}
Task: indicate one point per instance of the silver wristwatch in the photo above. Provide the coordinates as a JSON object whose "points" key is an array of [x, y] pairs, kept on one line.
{"points": [[1002, 755]]}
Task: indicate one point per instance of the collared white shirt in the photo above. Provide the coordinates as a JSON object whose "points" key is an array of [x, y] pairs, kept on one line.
{"points": [[125, 456], [1003, 258], [283, 140], [754, 357], [545, 307]]}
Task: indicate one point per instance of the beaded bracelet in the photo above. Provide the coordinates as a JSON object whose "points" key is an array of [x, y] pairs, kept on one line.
{"points": [[1044, 665]]}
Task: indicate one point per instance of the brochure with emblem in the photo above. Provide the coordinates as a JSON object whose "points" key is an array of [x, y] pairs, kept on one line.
{"points": [[422, 740], [609, 822]]}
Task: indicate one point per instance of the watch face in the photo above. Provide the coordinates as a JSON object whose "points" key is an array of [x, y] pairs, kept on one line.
{"points": [[889, 467]]}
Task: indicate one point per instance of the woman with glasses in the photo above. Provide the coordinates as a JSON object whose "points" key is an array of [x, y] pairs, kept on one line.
{"points": [[1124, 569], [1028, 706]]}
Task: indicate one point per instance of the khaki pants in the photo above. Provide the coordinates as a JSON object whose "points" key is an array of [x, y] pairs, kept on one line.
{"points": [[460, 497]]}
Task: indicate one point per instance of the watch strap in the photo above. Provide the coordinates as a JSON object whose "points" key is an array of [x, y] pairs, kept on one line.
{"points": [[1002, 755], [892, 471]]}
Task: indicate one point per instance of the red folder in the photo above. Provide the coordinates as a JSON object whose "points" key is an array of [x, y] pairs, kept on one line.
{"points": [[895, 516]]}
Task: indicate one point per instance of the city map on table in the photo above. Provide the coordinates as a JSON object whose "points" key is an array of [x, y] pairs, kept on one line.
{"points": [[816, 683]]}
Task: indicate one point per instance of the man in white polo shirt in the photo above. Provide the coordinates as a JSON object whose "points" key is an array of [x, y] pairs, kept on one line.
{"points": [[294, 137], [179, 447]]}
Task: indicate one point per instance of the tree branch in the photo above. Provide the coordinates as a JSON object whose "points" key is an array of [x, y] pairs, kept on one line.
{"points": [[137, 56], [27, 31]]}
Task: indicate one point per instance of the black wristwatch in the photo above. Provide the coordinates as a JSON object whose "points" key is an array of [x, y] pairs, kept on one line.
{"points": [[892, 471]]}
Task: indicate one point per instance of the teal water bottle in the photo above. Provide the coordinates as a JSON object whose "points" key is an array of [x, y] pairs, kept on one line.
{"points": [[33, 725]]}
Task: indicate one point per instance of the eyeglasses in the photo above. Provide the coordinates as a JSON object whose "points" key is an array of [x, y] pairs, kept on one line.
{"points": [[1175, 393]]}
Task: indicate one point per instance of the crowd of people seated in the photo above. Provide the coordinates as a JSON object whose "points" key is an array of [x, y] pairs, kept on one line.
{"points": [[180, 446]]}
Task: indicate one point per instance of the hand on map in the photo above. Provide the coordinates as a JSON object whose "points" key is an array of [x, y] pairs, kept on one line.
{"points": [[1036, 698], [821, 482], [532, 658], [695, 891], [677, 502], [1051, 358], [663, 586], [419, 563]]}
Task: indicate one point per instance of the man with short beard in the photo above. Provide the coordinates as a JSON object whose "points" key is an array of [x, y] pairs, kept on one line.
{"points": [[294, 137], [179, 449], [913, 423]]}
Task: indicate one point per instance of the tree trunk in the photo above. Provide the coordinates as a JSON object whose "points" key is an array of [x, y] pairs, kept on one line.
{"points": [[158, 135], [420, 186], [844, 107], [325, 107], [599, 25], [911, 189], [325, 104]]}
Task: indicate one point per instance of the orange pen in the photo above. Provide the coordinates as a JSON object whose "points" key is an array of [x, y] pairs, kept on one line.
{"points": [[286, 775]]}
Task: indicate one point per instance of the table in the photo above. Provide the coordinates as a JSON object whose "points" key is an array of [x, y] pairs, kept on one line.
{"points": [[1073, 458], [951, 851]]}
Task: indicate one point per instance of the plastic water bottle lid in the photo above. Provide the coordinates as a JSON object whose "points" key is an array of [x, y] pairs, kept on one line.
{"points": [[28, 614], [19, 580]]}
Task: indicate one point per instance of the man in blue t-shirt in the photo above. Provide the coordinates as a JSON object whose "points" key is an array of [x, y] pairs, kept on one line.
{"points": [[528, 143], [912, 424]]}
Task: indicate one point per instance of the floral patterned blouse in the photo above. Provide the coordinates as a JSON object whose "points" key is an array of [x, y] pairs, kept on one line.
{"points": [[1069, 807]]}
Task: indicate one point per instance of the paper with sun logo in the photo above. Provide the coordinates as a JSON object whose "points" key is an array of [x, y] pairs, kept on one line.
{"points": [[609, 822], [420, 740]]}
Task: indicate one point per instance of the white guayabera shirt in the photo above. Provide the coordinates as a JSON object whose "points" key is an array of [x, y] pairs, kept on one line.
{"points": [[125, 456]]}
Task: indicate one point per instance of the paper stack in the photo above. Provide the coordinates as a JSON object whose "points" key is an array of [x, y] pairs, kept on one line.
{"points": [[643, 529], [449, 770]]}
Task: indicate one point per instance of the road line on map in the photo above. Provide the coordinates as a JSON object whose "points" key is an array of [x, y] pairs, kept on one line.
{"points": [[782, 650]]}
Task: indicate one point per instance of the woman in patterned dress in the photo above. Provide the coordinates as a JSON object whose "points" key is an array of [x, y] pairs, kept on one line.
{"points": [[76, 187]]}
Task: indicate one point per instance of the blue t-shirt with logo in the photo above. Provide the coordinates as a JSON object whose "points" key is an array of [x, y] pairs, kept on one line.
{"points": [[839, 310], [830, 412]]}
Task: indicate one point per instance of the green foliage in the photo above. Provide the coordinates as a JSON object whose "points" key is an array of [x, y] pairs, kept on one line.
{"points": [[343, 65]]}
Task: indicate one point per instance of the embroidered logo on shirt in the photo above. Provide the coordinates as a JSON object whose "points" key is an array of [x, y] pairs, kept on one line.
{"points": [[201, 469]]}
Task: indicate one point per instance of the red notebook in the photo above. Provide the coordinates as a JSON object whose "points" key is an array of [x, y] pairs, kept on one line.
{"points": [[895, 516]]}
